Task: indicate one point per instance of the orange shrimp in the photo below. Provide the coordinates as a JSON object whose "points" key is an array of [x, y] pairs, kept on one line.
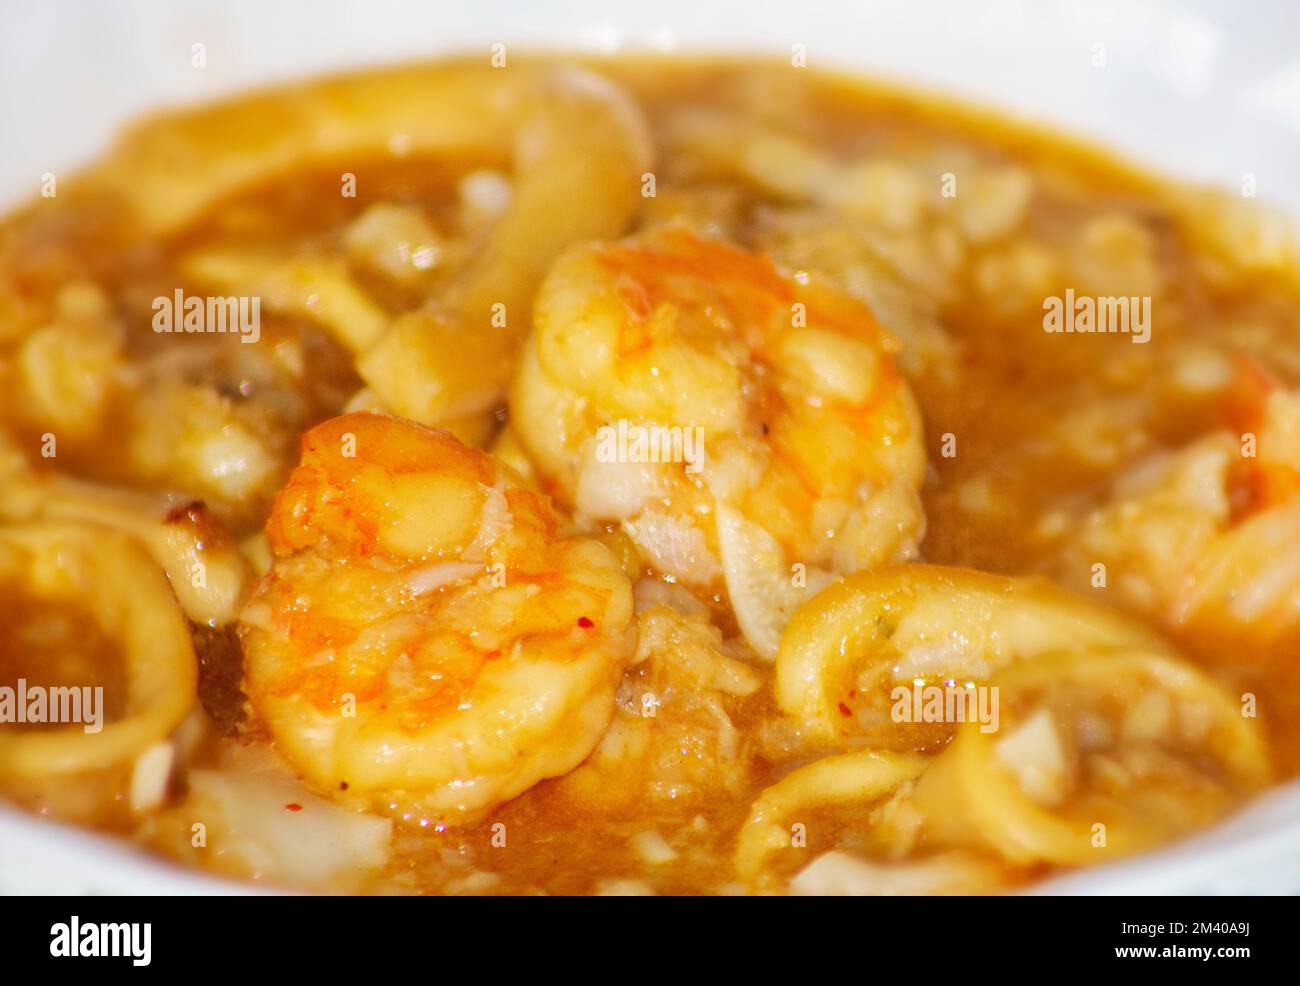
{"points": [[738, 422], [426, 642], [1248, 574], [1257, 407]]}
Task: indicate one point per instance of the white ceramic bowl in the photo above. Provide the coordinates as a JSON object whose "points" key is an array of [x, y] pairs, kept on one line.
{"points": [[1194, 89]]}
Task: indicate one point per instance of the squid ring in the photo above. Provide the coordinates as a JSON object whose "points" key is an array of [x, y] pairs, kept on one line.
{"points": [[183, 537], [131, 599], [970, 797], [842, 649], [577, 145], [848, 777]]}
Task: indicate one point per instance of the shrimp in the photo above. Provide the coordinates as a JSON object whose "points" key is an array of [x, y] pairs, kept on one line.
{"points": [[1265, 416], [1194, 534], [1242, 577], [746, 428], [426, 643]]}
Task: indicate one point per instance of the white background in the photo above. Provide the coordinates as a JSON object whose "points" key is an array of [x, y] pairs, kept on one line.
{"points": [[1208, 90]]}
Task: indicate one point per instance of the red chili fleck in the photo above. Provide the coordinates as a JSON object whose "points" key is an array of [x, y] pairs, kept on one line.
{"points": [[845, 710], [293, 806], [585, 623]]}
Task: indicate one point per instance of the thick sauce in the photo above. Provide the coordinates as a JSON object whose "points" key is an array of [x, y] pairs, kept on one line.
{"points": [[1026, 431]]}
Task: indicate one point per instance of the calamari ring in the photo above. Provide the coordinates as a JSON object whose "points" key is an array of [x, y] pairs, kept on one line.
{"points": [[577, 146], [848, 777], [971, 799], [842, 646], [207, 573], [122, 587]]}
